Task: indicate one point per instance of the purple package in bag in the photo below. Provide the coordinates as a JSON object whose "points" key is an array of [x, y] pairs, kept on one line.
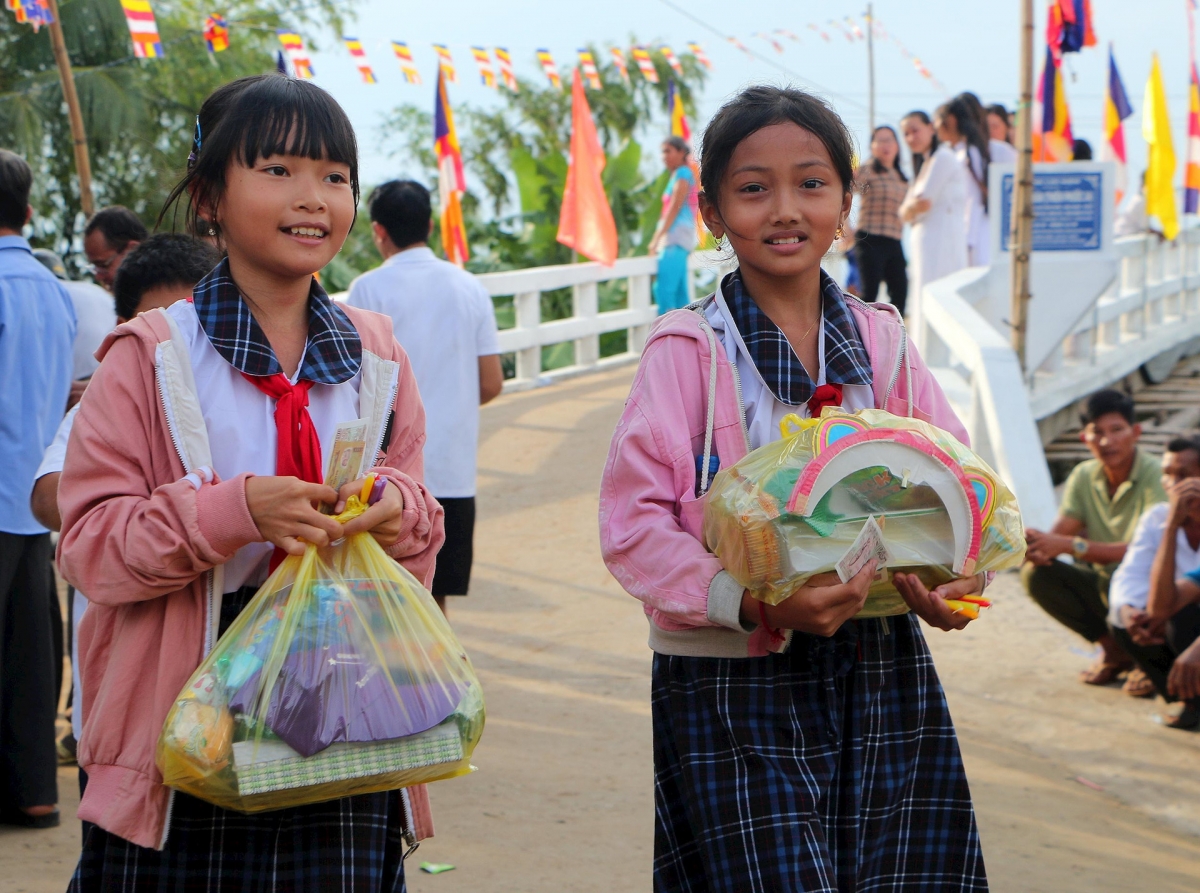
{"points": [[324, 695]]}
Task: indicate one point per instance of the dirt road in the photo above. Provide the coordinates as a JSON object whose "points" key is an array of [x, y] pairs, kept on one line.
{"points": [[562, 798]]}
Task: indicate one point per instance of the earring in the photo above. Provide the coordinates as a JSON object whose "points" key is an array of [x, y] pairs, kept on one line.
{"points": [[839, 232]]}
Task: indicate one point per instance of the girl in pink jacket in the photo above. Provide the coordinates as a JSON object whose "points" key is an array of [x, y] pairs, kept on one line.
{"points": [[195, 464], [795, 748]]}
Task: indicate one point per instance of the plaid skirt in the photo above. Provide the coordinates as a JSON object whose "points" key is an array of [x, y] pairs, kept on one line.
{"points": [[831, 767], [352, 845]]}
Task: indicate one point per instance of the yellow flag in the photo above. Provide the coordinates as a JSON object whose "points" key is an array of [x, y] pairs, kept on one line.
{"points": [[1160, 169]]}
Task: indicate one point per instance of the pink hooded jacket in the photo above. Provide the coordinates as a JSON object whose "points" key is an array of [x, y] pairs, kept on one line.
{"points": [[147, 548], [687, 393]]}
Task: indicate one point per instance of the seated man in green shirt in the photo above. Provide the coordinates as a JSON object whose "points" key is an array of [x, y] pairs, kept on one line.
{"points": [[1103, 499]]}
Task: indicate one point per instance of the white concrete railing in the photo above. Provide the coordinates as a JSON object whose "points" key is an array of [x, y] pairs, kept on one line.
{"points": [[1148, 315], [586, 324]]}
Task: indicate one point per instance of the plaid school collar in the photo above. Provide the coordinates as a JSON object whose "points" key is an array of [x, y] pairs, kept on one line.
{"points": [[846, 360], [332, 355]]}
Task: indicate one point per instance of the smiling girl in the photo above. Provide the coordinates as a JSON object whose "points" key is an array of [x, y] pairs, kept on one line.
{"points": [[196, 463], [795, 748]]}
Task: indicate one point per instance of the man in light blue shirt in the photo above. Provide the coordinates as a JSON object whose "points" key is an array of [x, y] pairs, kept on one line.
{"points": [[37, 333]]}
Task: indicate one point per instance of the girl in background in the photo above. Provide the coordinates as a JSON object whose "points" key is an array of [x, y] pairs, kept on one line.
{"points": [[882, 186], [195, 463], [961, 123], [936, 206], [795, 748], [675, 235]]}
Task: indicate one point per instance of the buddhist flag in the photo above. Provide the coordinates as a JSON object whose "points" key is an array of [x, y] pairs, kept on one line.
{"points": [[679, 121], [446, 62], [1052, 138], [586, 224], [645, 64], [547, 62], [216, 34], [504, 63], [34, 13], [293, 46], [1116, 110], [671, 58], [619, 61], [452, 182], [487, 74], [359, 55], [702, 57], [1191, 172], [741, 46], [588, 65], [143, 29], [1160, 167], [824, 35], [1069, 26], [769, 39], [790, 35], [404, 56]]}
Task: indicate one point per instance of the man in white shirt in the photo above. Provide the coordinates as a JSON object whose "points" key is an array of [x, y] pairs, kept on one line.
{"points": [[1165, 548], [445, 321]]}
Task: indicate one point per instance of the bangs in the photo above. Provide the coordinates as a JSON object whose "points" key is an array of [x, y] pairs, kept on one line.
{"points": [[283, 116]]}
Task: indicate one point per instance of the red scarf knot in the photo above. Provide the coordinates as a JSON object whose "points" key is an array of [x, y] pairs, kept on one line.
{"points": [[824, 395]]}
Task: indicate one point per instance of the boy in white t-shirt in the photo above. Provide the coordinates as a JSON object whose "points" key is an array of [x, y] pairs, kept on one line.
{"points": [[158, 272], [444, 319]]}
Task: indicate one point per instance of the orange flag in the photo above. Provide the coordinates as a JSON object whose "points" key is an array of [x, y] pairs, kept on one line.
{"points": [[586, 223]]}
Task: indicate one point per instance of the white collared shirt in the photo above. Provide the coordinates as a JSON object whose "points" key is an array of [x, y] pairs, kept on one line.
{"points": [[1131, 580]]}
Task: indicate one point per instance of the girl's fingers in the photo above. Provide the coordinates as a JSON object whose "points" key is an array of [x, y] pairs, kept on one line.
{"points": [[316, 492], [291, 545]]}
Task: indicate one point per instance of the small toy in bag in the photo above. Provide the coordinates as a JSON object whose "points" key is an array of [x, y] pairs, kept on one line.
{"points": [[340, 677], [845, 488]]}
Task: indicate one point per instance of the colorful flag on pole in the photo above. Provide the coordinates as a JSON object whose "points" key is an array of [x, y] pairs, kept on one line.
{"points": [[293, 46], [1069, 26], [698, 51], [446, 62], [216, 33], [586, 222], [1160, 167], [645, 64], [1116, 110], [619, 61], [504, 63], [587, 63], [486, 73], [679, 121], [452, 181], [1052, 137], [359, 55], [404, 56], [1191, 171], [34, 13], [547, 62], [143, 29], [669, 55]]}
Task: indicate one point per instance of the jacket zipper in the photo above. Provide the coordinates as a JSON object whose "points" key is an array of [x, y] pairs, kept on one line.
{"points": [[393, 387], [737, 381]]}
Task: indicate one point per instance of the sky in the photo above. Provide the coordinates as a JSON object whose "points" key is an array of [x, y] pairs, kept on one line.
{"points": [[965, 44]]}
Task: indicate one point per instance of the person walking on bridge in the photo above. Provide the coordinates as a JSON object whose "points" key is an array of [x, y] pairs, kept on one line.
{"points": [[675, 235]]}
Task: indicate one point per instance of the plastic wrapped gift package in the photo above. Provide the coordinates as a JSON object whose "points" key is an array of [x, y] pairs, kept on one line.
{"points": [[341, 676], [794, 508]]}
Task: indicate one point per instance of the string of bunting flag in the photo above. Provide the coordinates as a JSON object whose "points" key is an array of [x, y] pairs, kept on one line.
{"points": [[294, 58]]}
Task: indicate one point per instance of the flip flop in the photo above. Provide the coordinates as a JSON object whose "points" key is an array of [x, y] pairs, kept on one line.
{"points": [[1138, 684], [1103, 673]]}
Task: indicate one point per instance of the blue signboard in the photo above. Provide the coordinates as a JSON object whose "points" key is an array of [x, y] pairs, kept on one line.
{"points": [[1067, 210]]}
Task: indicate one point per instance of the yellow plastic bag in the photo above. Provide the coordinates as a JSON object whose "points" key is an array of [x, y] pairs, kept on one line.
{"points": [[795, 507], [340, 677]]}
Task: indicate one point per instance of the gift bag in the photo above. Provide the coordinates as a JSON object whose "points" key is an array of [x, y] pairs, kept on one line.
{"points": [[340, 677], [841, 489]]}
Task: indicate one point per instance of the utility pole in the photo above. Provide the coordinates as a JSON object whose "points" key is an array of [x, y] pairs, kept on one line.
{"points": [[83, 165], [871, 67], [1021, 238]]}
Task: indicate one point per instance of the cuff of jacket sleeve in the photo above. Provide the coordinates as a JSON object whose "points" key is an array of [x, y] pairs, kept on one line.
{"points": [[224, 516], [725, 603]]}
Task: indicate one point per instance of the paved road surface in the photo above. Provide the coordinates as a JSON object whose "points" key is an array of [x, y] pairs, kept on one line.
{"points": [[562, 799]]}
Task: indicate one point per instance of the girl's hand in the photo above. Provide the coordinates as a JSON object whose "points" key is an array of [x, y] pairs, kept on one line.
{"points": [[382, 520], [284, 510], [931, 606], [819, 607]]}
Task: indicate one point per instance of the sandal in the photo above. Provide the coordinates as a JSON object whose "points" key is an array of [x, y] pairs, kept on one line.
{"points": [[1104, 673], [1138, 684]]}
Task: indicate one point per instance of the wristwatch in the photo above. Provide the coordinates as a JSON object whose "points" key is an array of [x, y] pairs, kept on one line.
{"points": [[1079, 546]]}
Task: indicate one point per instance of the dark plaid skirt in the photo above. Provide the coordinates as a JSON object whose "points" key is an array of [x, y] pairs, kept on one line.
{"points": [[833, 767], [352, 845]]}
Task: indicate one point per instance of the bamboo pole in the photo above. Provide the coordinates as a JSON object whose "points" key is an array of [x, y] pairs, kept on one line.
{"points": [[1021, 239], [871, 68], [83, 165]]}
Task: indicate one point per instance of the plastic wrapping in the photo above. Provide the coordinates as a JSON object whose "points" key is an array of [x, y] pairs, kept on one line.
{"points": [[340, 677], [794, 508]]}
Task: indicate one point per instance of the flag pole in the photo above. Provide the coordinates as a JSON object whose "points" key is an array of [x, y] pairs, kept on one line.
{"points": [[1021, 239], [871, 67], [83, 165]]}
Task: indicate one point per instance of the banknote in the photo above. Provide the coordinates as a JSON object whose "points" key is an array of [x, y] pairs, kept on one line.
{"points": [[346, 457], [868, 546]]}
